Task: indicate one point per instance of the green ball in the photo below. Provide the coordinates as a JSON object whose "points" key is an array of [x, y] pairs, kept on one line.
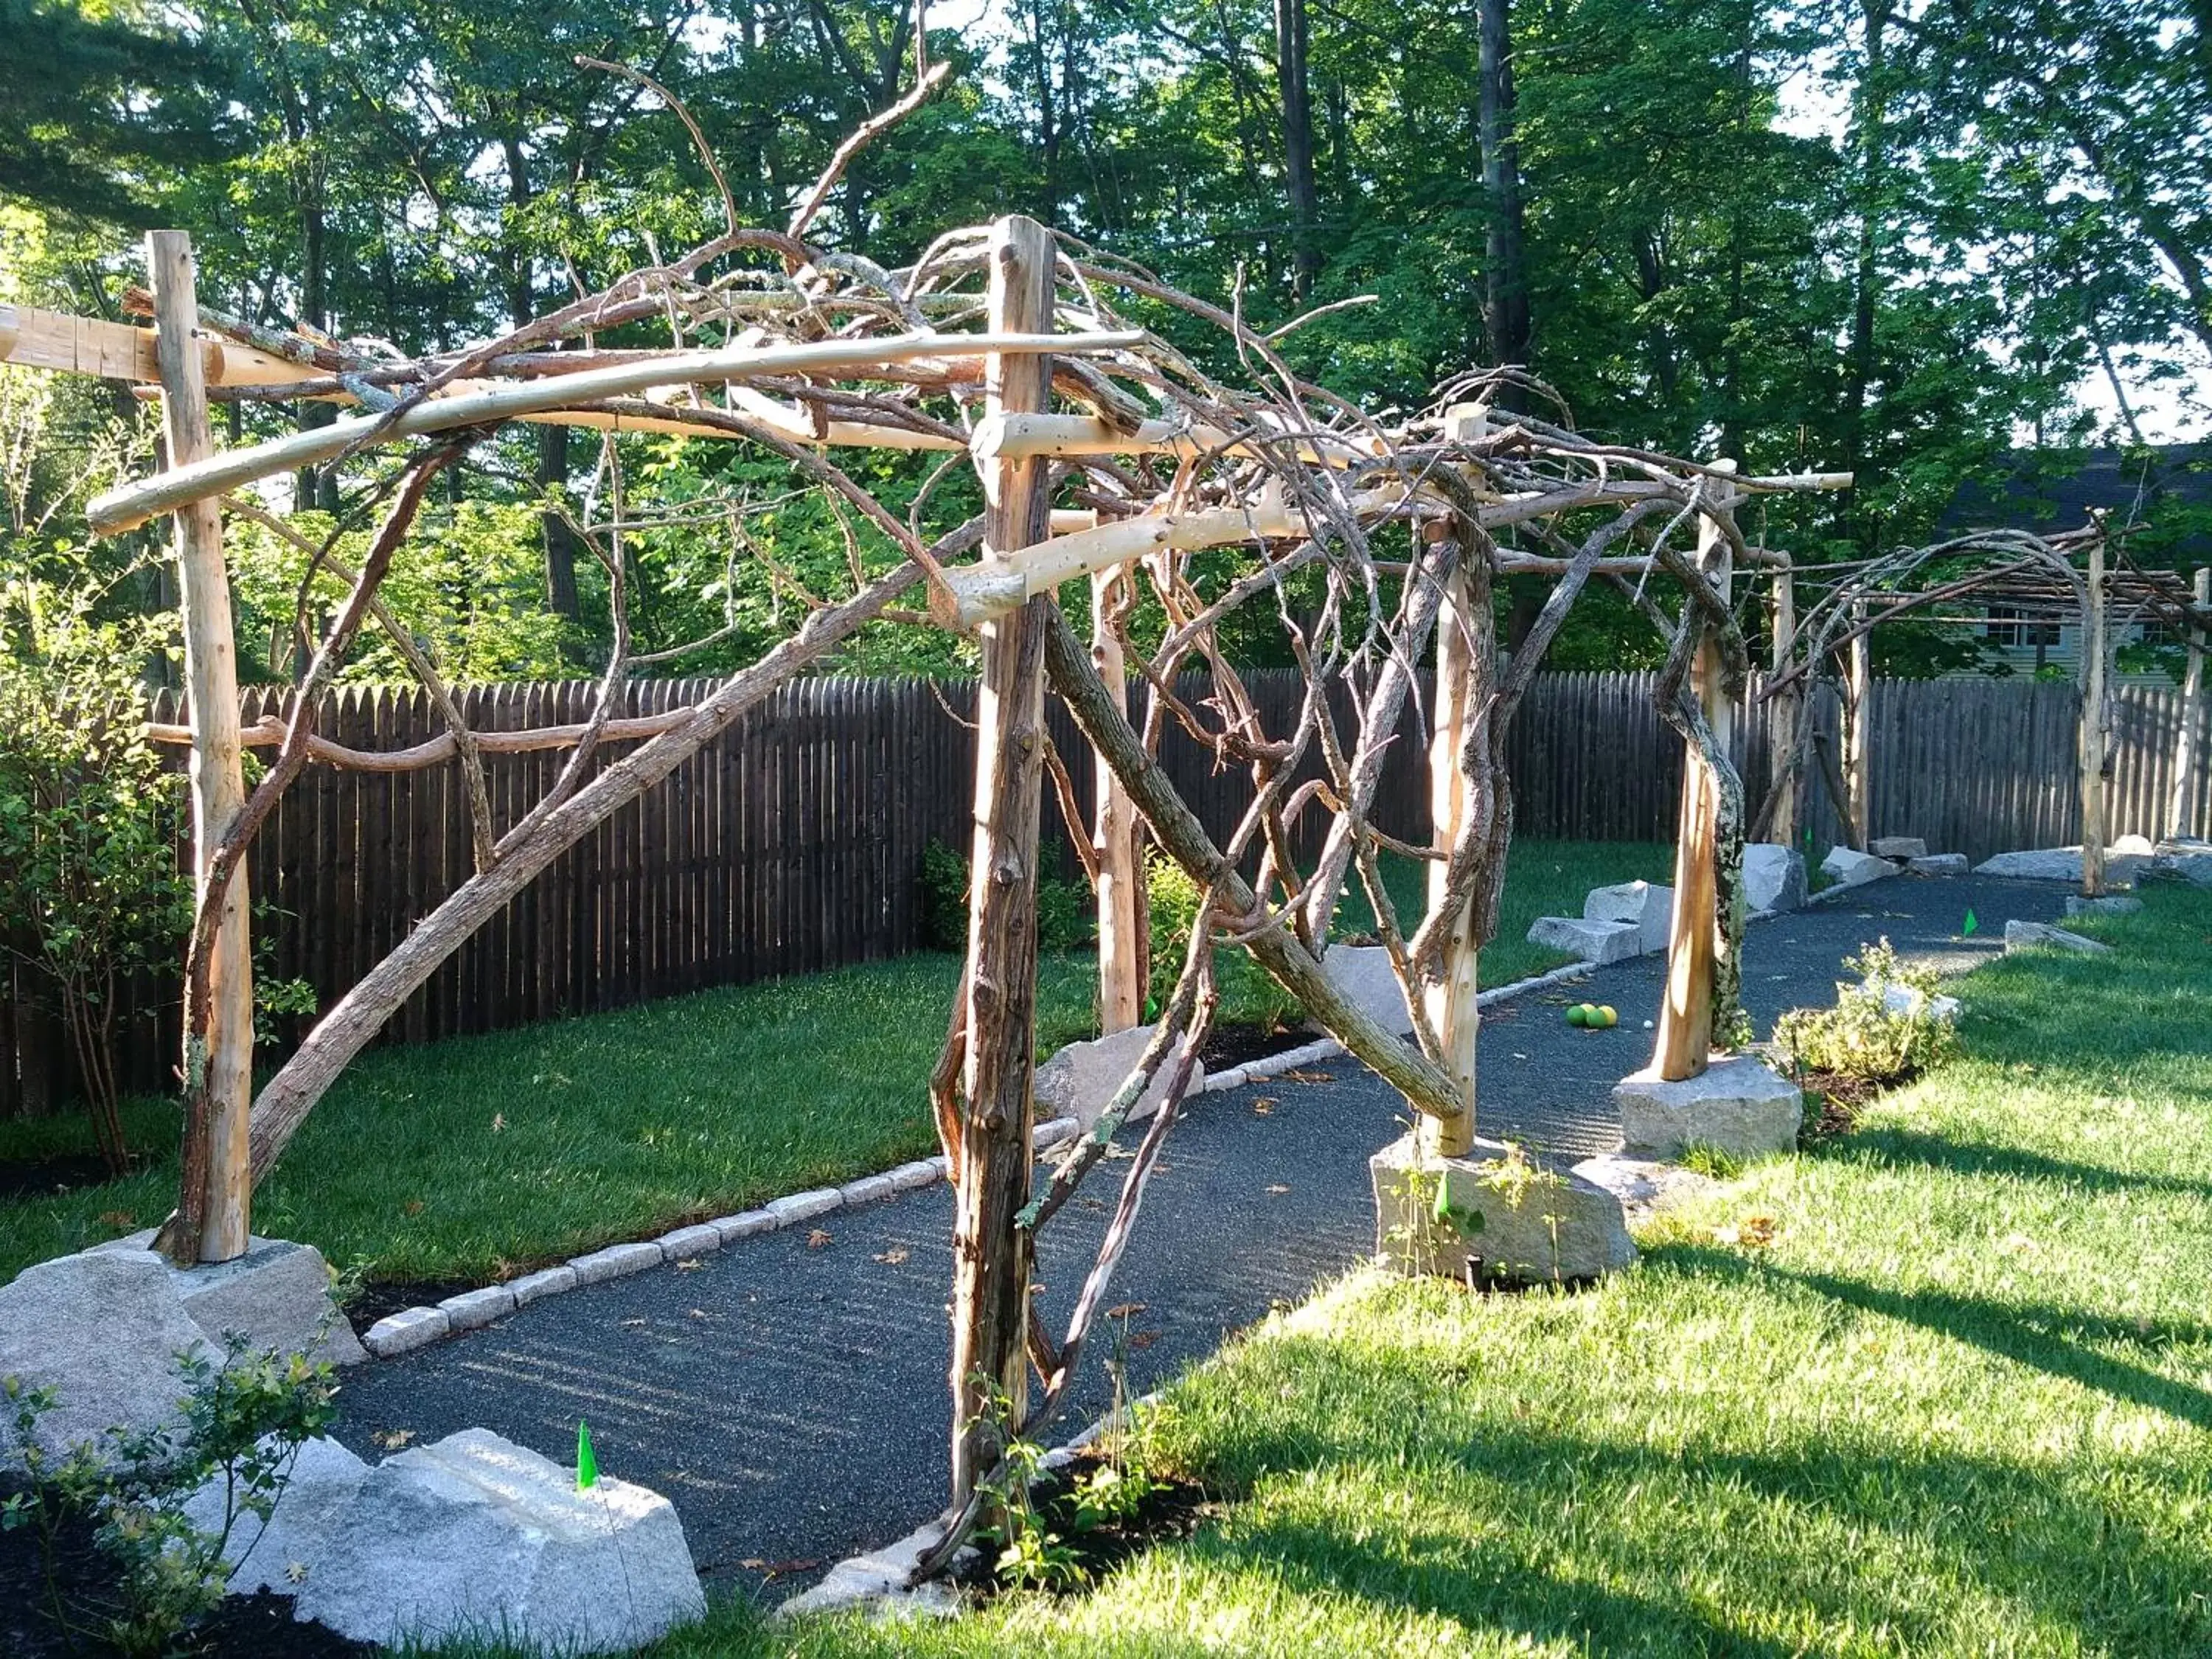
{"points": [[1579, 1014]]}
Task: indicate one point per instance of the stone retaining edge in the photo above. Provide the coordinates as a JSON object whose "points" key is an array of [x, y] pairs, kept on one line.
{"points": [[1258, 1071], [418, 1326]]}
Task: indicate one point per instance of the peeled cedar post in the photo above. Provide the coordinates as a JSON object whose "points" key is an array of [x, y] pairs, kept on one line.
{"points": [[1782, 720], [1685, 1014], [2094, 723], [1451, 1004], [1858, 712], [2181, 815], [1121, 906], [990, 1259], [213, 1219]]}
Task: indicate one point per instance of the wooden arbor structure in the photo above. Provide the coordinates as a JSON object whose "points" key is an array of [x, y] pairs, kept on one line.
{"points": [[2081, 577], [1108, 454]]}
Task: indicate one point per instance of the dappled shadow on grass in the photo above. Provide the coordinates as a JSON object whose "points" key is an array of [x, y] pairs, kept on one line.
{"points": [[1429, 1571], [2063, 1551], [2060, 1341], [1904, 1147]]}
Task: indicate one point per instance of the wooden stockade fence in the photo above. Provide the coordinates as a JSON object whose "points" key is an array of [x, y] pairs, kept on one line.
{"points": [[794, 844], [1972, 766]]}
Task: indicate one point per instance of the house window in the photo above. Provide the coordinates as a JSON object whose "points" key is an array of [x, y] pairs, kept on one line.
{"points": [[2008, 632]]}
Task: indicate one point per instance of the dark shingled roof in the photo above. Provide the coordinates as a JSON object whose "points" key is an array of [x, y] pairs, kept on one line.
{"points": [[2045, 489]]}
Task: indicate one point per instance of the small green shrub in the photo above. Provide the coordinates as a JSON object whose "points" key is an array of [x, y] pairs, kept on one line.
{"points": [[1861, 1038], [1172, 898], [1067, 918], [1248, 997], [91, 892], [1109, 1494], [243, 1422], [943, 897], [1029, 1553]]}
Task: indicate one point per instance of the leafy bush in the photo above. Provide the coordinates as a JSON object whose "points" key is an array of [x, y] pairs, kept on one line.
{"points": [[944, 898], [1248, 995], [1066, 916], [90, 887], [1861, 1038], [243, 1422]]}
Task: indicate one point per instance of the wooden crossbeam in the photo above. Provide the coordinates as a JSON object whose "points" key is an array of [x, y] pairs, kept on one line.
{"points": [[973, 594], [32, 337], [1015, 436], [131, 505]]}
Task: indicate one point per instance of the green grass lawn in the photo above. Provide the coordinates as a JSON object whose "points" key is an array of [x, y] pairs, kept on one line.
{"points": [[1960, 1404], [485, 1156]]}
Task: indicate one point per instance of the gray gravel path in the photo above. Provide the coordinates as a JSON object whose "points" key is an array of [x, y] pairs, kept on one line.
{"points": [[791, 1399]]}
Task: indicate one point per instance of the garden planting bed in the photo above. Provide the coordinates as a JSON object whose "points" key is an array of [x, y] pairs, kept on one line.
{"points": [[258, 1626], [1171, 1510]]}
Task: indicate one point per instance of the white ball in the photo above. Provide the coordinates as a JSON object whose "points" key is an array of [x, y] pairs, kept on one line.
{"points": [[1647, 1024]]}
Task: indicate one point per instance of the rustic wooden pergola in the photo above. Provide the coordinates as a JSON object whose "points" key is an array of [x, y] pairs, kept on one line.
{"points": [[2081, 577], [1108, 454]]}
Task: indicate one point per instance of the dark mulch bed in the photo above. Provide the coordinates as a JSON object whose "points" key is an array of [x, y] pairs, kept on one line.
{"points": [[243, 1627], [263, 1624], [377, 1298], [1172, 1510], [1837, 1099], [1235, 1045], [41, 1177]]}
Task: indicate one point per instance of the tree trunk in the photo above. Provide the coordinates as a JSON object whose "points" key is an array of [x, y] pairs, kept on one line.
{"points": [[560, 540], [1048, 133], [1506, 316], [990, 1265], [1873, 115], [317, 487], [1290, 40]]}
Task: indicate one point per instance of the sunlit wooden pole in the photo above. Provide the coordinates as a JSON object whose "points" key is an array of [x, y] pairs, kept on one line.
{"points": [[2092, 745], [1122, 906], [1781, 721], [990, 1266], [2189, 742], [1858, 711], [1451, 1005], [216, 1188], [1464, 632], [1686, 1016]]}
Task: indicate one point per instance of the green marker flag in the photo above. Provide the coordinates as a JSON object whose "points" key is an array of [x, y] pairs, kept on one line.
{"points": [[587, 1466], [1972, 923]]}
